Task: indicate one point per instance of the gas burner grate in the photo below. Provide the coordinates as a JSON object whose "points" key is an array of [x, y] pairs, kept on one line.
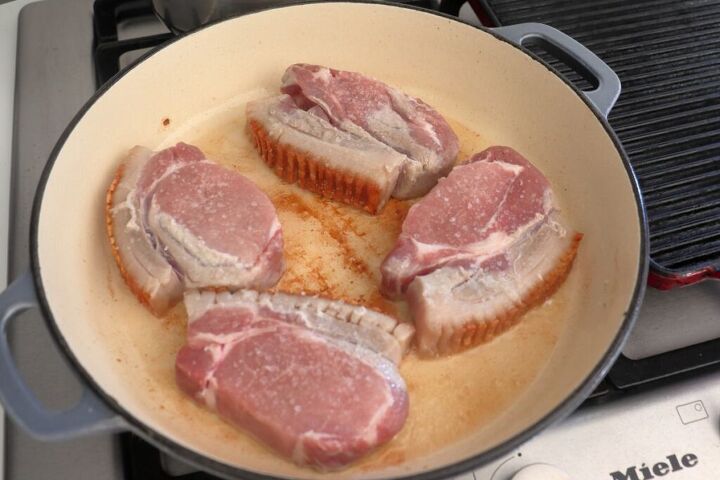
{"points": [[108, 47], [667, 55]]}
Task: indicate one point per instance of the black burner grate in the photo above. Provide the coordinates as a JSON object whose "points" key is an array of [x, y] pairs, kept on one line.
{"points": [[108, 48], [667, 55]]}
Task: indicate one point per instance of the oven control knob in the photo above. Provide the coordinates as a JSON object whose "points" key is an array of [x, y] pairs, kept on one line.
{"points": [[541, 471]]}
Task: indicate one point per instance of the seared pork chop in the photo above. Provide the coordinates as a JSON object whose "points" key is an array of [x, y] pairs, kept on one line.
{"points": [[177, 220], [351, 138], [314, 379], [366, 107], [484, 246]]}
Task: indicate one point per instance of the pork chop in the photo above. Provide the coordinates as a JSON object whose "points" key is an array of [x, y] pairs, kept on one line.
{"points": [[484, 246], [367, 107], [314, 379], [177, 220]]}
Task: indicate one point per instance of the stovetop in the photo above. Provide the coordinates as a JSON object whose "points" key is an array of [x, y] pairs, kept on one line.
{"points": [[624, 425]]}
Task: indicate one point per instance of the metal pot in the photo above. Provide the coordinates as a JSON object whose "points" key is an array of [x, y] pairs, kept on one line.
{"points": [[478, 77]]}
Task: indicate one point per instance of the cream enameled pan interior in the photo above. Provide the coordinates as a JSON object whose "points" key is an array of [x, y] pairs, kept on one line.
{"points": [[493, 94]]}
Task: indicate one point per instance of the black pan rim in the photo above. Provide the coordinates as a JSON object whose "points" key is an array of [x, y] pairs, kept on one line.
{"points": [[572, 401]]}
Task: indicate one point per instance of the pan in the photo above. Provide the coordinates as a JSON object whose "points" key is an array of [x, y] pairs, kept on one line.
{"points": [[465, 410]]}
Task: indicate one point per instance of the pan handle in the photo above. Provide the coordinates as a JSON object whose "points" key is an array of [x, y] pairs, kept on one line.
{"points": [[571, 51], [89, 415]]}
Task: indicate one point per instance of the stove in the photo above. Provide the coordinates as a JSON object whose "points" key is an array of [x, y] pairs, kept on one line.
{"points": [[657, 412]]}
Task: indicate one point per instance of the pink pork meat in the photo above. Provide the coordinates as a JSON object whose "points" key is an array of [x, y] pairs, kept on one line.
{"points": [[314, 379], [366, 107], [351, 138], [177, 220], [483, 247]]}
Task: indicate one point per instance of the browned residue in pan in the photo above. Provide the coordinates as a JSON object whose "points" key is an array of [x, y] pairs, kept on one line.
{"points": [[337, 225], [333, 222], [176, 318]]}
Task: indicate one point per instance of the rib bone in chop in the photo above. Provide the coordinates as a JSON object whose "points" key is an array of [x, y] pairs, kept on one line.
{"points": [[312, 378], [177, 220], [332, 106], [482, 248]]}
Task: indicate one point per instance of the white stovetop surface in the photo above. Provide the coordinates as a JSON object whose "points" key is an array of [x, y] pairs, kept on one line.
{"points": [[8, 39]]}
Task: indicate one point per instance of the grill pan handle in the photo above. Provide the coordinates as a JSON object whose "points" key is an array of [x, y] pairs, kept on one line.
{"points": [[571, 51], [89, 415]]}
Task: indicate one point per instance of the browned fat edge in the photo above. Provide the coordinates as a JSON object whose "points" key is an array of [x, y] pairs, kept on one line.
{"points": [[142, 295], [303, 168], [474, 333]]}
